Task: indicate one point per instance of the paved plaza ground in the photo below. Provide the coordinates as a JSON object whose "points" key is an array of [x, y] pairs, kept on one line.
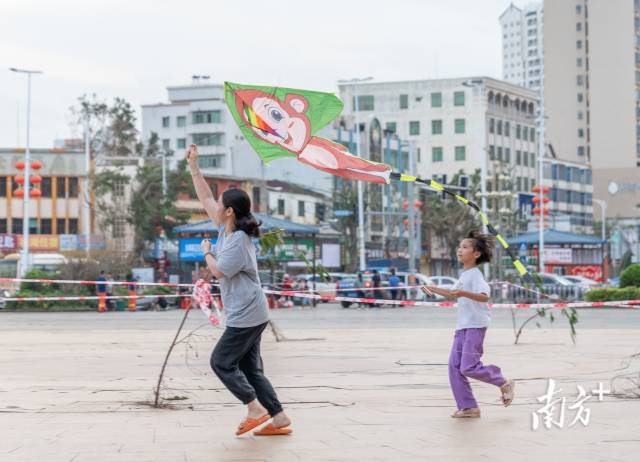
{"points": [[360, 385]]}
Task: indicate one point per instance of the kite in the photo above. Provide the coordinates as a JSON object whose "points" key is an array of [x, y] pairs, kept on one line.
{"points": [[282, 122]]}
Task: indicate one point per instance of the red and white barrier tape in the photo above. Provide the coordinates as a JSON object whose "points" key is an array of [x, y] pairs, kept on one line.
{"points": [[106, 283], [88, 297], [291, 293]]}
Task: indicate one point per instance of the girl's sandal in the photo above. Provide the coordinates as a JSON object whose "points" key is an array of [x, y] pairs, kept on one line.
{"points": [[507, 392]]}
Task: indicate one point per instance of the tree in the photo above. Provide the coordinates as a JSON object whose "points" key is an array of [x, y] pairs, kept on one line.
{"points": [[345, 197], [149, 211], [446, 219]]}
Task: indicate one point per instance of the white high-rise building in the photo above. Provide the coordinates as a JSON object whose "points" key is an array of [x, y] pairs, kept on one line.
{"points": [[522, 50]]}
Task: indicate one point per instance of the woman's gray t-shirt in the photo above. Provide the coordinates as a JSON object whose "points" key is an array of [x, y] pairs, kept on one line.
{"points": [[245, 304]]}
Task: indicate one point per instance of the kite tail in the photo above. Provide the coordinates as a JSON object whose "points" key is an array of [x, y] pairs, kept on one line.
{"points": [[526, 275]]}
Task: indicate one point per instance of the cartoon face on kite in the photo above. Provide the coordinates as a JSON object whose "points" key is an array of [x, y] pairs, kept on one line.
{"points": [[278, 122]]}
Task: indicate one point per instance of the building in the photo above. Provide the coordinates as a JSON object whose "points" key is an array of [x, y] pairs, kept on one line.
{"points": [[296, 203], [522, 49], [197, 113], [592, 113], [55, 222]]}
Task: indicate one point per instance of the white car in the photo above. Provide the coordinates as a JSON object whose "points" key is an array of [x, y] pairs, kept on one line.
{"points": [[582, 281], [554, 280]]}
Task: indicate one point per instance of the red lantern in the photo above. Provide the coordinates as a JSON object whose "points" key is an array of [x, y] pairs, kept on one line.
{"points": [[19, 179], [545, 200], [36, 165], [536, 189], [35, 193], [405, 205], [536, 211], [20, 165], [35, 179], [18, 193], [418, 203], [406, 222]]}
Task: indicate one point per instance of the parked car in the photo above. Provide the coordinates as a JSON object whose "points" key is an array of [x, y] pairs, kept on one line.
{"points": [[582, 281], [554, 279]]}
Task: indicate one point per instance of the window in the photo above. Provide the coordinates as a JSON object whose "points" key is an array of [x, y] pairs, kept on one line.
{"points": [[580, 80], [492, 152], [580, 115], [208, 139], [73, 188], [507, 155], [181, 143], [181, 121], [436, 154], [459, 125], [507, 129], [73, 226], [458, 98], [436, 99], [414, 127], [578, 9], [492, 124], [404, 101], [518, 131], [60, 187], [461, 153], [166, 144], [3, 186], [16, 225], [436, 127], [518, 158], [525, 158], [280, 206], [579, 44], [214, 161], [579, 62], [532, 160], [365, 103], [3, 225], [580, 151], [165, 122], [390, 127], [499, 156], [499, 127], [581, 133], [301, 208], [578, 27], [61, 226], [532, 134], [45, 187], [206, 117], [45, 226], [118, 228], [525, 134], [580, 97]]}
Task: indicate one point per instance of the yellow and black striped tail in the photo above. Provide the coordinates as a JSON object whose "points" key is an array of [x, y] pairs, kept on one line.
{"points": [[439, 187]]}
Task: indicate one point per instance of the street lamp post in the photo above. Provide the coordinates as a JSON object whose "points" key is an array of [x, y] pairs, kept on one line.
{"points": [[24, 259], [361, 236], [482, 132]]}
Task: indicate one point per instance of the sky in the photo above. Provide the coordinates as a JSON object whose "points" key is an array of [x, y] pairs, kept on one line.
{"points": [[135, 48]]}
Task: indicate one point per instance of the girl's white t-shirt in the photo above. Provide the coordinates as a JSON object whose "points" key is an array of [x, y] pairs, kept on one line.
{"points": [[472, 314]]}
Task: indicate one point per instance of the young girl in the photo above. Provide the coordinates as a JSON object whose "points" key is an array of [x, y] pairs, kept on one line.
{"points": [[474, 316], [236, 358]]}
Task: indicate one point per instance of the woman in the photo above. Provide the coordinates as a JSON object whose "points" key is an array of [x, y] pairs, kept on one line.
{"points": [[236, 358]]}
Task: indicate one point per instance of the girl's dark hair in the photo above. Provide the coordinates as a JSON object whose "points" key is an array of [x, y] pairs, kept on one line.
{"points": [[482, 243], [239, 201]]}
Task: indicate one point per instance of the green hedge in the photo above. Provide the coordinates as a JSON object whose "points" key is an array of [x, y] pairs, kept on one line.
{"points": [[37, 289], [610, 295], [630, 277]]}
